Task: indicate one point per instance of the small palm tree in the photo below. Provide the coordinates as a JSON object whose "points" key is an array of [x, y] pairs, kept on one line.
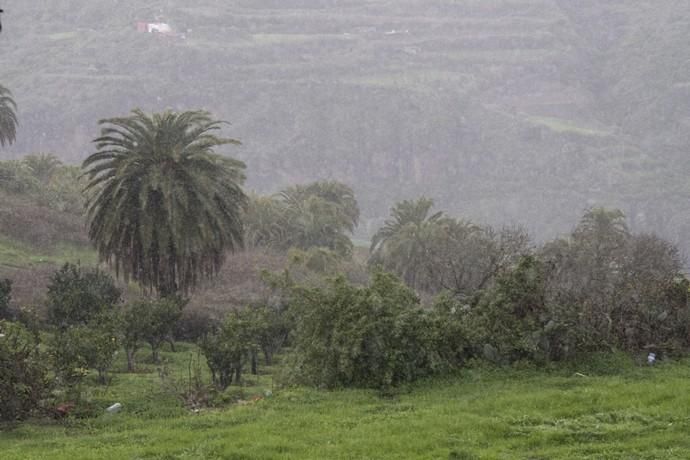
{"points": [[401, 245], [8, 117], [163, 208]]}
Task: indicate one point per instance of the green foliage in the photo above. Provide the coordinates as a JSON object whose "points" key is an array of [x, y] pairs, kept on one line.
{"points": [[434, 252], [348, 336], [8, 117], [320, 214], [45, 180], [640, 412], [272, 326], [162, 207], [600, 290], [5, 297], [228, 350], [82, 347], [400, 245], [42, 166], [151, 321], [453, 330], [511, 322], [76, 295], [16, 177], [23, 372], [610, 289]]}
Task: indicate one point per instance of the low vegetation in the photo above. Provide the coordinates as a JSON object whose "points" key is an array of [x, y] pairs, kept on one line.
{"points": [[438, 305], [604, 408]]}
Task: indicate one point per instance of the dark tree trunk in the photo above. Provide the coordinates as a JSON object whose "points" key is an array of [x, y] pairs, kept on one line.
{"points": [[155, 354], [268, 356], [255, 363], [171, 341], [131, 364]]}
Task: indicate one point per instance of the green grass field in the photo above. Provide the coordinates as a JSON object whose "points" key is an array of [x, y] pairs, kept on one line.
{"points": [[21, 255], [636, 413]]}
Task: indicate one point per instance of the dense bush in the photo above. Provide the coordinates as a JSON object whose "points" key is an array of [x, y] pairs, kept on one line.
{"points": [[23, 372], [79, 348], [601, 289], [511, 321], [374, 336], [231, 347], [76, 295]]}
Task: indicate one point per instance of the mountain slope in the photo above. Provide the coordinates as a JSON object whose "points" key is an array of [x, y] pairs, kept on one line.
{"points": [[504, 110]]}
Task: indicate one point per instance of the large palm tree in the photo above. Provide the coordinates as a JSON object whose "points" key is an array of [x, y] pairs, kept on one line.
{"points": [[163, 208], [8, 117]]}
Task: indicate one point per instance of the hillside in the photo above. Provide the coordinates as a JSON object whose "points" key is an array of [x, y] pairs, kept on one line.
{"points": [[519, 111]]}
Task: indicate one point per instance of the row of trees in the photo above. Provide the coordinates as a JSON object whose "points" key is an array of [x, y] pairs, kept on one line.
{"points": [[163, 210]]}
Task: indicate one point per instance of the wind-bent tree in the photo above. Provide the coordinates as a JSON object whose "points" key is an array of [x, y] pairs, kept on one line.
{"points": [[8, 117], [320, 214], [162, 207]]}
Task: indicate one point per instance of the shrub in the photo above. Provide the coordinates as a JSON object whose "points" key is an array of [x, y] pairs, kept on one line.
{"points": [[23, 381], [79, 348], [75, 296], [511, 319], [229, 349], [349, 336], [452, 330]]}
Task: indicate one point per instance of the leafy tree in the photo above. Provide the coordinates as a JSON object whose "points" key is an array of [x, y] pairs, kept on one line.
{"points": [[163, 209], [611, 289], [23, 372], [151, 321], [76, 296], [350, 336], [272, 325], [228, 350], [8, 117], [464, 258], [79, 348]]}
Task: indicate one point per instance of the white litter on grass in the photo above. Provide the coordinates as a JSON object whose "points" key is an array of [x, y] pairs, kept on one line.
{"points": [[651, 359], [114, 409]]}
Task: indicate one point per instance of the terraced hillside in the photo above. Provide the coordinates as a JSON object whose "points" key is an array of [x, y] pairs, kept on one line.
{"points": [[503, 110]]}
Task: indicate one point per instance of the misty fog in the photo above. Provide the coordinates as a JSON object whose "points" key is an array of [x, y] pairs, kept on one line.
{"points": [[502, 111]]}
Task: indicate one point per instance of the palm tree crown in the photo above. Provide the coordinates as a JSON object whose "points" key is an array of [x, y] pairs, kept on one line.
{"points": [[8, 117], [162, 207]]}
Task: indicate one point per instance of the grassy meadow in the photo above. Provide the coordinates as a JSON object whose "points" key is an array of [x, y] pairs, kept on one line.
{"points": [[627, 412]]}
